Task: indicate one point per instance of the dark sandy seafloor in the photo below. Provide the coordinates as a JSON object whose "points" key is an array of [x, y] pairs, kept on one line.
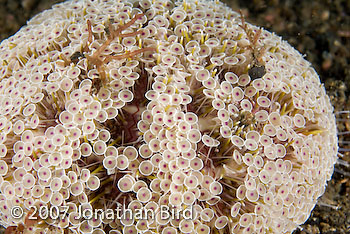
{"points": [[318, 29]]}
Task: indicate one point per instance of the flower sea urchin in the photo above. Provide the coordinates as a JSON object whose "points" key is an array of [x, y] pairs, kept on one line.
{"points": [[144, 104]]}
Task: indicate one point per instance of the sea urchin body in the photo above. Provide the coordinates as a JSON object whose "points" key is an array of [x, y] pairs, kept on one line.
{"points": [[146, 104]]}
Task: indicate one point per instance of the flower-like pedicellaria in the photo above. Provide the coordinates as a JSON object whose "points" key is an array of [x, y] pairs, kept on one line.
{"points": [[144, 104]]}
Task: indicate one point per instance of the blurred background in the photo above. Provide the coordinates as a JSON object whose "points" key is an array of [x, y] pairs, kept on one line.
{"points": [[318, 29]]}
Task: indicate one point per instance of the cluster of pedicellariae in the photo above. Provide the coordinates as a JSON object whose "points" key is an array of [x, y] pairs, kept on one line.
{"points": [[158, 103]]}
